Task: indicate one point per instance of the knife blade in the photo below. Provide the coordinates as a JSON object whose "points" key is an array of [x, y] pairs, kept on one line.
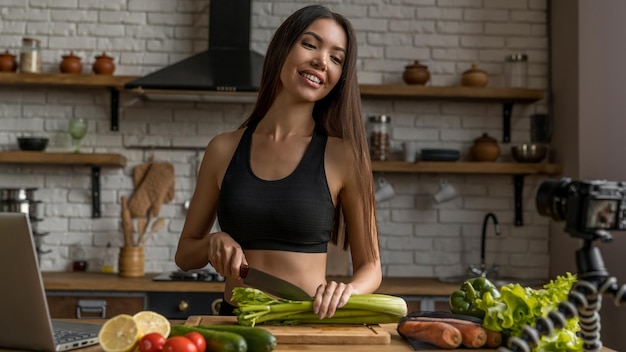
{"points": [[273, 285]]}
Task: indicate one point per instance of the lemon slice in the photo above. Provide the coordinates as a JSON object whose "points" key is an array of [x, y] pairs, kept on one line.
{"points": [[149, 322], [119, 334]]}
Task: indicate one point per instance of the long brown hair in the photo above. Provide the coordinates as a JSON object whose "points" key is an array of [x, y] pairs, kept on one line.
{"points": [[338, 114]]}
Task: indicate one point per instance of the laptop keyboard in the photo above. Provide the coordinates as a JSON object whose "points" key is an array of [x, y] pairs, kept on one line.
{"points": [[64, 336]]}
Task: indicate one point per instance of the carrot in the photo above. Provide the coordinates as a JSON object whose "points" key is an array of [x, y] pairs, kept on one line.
{"points": [[494, 338], [473, 335], [436, 333]]}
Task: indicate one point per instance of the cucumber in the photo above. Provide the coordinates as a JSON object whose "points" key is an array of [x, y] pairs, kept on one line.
{"points": [[219, 341], [258, 340]]}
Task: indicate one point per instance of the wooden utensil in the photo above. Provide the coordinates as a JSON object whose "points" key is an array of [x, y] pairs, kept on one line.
{"points": [[127, 224], [156, 227]]}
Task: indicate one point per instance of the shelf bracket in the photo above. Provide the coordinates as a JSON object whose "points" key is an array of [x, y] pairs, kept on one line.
{"points": [[518, 182], [95, 192], [115, 106], [507, 108]]}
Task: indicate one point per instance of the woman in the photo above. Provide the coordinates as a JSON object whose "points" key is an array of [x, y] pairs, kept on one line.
{"points": [[295, 176]]}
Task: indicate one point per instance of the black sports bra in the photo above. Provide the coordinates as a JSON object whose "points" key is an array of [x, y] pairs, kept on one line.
{"points": [[294, 214]]}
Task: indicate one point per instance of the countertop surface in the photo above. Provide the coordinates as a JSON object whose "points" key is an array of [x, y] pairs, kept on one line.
{"points": [[91, 281], [397, 344]]}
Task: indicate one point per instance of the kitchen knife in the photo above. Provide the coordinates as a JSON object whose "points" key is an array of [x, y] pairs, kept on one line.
{"points": [[273, 285]]}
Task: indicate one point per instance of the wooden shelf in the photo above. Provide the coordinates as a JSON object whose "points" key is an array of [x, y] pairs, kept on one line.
{"points": [[115, 84], [27, 157], [521, 95], [95, 161], [467, 167], [518, 170], [62, 79]]}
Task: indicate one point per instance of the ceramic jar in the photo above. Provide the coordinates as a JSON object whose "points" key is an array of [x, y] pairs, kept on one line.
{"points": [[104, 65], [474, 77], [7, 62], [71, 64], [485, 148], [416, 73]]}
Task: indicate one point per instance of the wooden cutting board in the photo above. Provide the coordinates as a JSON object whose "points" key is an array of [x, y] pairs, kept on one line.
{"points": [[316, 334]]}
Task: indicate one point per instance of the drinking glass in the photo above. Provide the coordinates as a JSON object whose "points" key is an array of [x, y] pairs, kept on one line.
{"points": [[78, 129]]}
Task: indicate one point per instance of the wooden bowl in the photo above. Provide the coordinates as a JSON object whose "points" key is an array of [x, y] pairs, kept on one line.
{"points": [[529, 153]]}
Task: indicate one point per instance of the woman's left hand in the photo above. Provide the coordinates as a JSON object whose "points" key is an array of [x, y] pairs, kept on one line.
{"points": [[331, 296]]}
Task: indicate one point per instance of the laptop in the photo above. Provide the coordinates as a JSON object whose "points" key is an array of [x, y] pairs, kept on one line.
{"points": [[25, 322]]}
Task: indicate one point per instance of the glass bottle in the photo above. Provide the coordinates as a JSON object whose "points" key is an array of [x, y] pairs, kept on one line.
{"points": [[379, 137], [516, 70], [30, 56], [109, 258]]}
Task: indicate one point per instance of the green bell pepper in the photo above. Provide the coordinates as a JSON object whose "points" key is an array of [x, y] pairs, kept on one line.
{"points": [[463, 301]]}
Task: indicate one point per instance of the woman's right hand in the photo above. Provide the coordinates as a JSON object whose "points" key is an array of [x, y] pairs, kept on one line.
{"points": [[226, 255]]}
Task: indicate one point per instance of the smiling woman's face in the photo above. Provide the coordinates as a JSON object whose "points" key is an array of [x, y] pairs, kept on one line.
{"points": [[315, 63]]}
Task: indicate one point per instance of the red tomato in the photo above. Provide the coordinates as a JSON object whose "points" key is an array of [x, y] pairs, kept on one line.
{"points": [[197, 340], [152, 342], [179, 344]]}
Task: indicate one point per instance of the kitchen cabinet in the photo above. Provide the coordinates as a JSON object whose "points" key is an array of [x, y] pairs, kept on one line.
{"points": [[107, 304], [95, 161], [180, 305], [93, 305]]}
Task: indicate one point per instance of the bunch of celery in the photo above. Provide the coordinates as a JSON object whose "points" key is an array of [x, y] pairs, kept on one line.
{"points": [[256, 307], [518, 306]]}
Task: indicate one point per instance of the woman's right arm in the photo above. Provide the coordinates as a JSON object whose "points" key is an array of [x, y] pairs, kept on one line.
{"points": [[196, 246]]}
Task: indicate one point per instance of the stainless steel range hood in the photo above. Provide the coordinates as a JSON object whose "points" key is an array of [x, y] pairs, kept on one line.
{"points": [[227, 66]]}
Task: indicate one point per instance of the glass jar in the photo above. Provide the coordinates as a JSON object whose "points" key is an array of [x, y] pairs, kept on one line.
{"points": [[30, 56], [379, 128], [516, 70], [109, 258], [78, 258]]}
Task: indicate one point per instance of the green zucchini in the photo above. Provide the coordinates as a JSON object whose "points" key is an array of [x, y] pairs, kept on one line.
{"points": [[220, 341], [258, 340]]}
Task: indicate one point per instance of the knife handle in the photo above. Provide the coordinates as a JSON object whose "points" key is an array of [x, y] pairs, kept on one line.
{"points": [[243, 271]]}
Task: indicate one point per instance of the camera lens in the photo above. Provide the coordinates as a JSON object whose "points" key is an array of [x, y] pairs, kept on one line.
{"points": [[551, 198]]}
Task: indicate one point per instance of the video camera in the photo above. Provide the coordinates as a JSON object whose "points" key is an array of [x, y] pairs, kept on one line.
{"points": [[589, 208]]}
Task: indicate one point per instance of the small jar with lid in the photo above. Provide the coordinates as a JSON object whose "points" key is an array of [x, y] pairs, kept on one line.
{"points": [[516, 70], [379, 129], [7, 62], [30, 56]]}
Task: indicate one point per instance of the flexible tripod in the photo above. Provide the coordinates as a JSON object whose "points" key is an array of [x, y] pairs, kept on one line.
{"points": [[584, 300]]}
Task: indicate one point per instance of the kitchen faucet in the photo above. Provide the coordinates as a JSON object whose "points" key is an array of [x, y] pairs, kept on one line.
{"points": [[482, 270]]}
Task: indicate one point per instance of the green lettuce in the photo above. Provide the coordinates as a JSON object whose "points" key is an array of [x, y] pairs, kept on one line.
{"points": [[518, 306]]}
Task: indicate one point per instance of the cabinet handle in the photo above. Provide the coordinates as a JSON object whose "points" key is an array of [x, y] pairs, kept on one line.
{"points": [[215, 306], [183, 305], [91, 306]]}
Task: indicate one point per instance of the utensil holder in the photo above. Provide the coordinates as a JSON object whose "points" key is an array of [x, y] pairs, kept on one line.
{"points": [[131, 262]]}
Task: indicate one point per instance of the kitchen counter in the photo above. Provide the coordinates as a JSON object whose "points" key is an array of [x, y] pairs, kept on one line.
{"points": [[398, 344], [88, 281]]}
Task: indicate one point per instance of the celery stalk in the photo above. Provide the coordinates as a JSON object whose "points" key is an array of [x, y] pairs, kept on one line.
{"points": [[256, 307]]}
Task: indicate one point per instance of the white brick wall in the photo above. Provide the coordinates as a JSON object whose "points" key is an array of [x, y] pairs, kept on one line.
{"points": [[418, 238]]}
